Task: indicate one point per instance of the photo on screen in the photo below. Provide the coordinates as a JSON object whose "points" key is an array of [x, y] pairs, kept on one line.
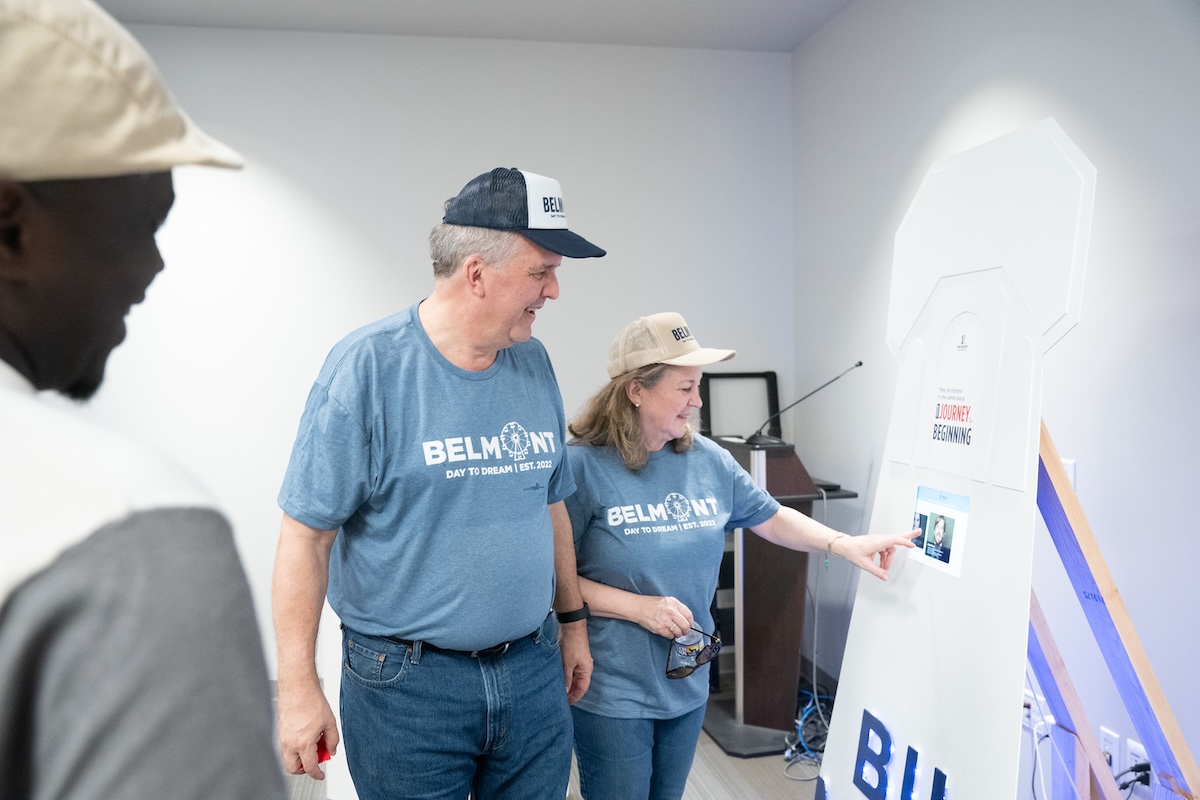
{"points": [[942, 517], [938, 536], [920, 521]]}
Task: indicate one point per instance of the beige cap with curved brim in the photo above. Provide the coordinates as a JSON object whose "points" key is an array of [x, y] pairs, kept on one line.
{"points": [[662, 338], [80, 98]]}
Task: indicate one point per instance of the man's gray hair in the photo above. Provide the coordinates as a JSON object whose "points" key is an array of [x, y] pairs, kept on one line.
{"points": [[451, 245]]}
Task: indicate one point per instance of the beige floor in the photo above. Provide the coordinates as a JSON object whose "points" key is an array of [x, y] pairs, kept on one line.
{"points": [[716, 776]]}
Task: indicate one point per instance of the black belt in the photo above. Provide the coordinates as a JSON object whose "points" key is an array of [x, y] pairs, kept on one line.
{"points": [[487, 652]]}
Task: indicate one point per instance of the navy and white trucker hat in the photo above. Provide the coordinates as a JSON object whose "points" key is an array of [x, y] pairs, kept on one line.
{"points": [[521, 202]]}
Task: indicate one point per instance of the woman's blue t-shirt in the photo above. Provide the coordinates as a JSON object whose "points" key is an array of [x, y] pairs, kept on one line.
{"points": [[659, 531]]}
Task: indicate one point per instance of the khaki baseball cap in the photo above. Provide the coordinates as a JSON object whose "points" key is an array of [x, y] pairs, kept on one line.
{"points": [[662, 338], [80, 98]]}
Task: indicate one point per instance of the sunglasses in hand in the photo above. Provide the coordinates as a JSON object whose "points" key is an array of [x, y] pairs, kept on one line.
{"points": [[684, 659]]}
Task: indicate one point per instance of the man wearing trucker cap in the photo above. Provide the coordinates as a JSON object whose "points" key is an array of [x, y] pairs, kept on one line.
{"points": [[425, 496], [130, 659]]}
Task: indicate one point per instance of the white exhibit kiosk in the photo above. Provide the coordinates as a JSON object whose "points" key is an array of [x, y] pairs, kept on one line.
{"points": [[987, 275]]}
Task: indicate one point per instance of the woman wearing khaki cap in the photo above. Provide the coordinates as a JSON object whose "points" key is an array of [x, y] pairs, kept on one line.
{"points": [[649, 517]]}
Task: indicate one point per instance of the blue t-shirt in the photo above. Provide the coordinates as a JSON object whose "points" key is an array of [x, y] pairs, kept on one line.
{"points": [[439, 480], [658, 531]]}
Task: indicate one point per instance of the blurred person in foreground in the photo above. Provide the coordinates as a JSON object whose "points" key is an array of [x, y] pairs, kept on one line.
{"points": [[130, 659], [649, 517]]}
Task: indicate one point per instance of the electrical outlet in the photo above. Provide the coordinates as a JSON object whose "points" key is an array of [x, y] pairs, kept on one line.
{"points": [[1110, 746], [1069, 468], [1034, 713], [1134, 753]]}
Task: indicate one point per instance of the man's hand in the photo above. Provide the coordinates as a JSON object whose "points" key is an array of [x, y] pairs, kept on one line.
{"points": [[304, 717], [576, 658], [297, 595]]}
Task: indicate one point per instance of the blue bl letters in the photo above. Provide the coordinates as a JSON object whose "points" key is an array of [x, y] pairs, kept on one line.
{"points": [[871, 763]]}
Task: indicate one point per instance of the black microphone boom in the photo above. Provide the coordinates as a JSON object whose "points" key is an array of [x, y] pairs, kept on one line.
{"points": [[758, 437]]}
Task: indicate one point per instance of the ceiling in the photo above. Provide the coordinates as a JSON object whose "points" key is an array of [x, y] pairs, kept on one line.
{"points": [[757, 25]]}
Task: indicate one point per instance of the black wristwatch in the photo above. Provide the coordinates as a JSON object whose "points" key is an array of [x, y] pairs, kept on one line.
{"points": [[574, 616]]}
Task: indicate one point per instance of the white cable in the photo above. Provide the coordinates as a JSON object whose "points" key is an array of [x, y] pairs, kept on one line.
{"points": [[1037, 756], [810, 762], [816, 629], [1053, 743], [1063, 761], [1033, 733], [816, 616]]}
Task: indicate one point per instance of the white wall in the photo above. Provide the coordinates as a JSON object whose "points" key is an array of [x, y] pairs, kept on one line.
{"points": [[678, 162], [707, 175], [887, 88]]}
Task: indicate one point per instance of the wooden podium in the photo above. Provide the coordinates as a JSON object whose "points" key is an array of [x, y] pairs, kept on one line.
{"points": [[769, 584]]}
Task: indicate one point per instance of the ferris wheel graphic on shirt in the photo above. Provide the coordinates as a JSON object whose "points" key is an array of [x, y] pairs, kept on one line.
{"points": [[678, 506], [515, 440]]}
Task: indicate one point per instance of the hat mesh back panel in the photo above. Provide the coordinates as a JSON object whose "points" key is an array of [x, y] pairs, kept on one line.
{"points": [[507, 199], [640, 339]]}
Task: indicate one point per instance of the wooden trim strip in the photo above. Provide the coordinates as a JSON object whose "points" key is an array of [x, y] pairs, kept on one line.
{"points": [[1111, 625]]}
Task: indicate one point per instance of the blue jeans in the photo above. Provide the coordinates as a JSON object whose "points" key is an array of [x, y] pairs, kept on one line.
{"points": [[419, 723], [635, 759]]}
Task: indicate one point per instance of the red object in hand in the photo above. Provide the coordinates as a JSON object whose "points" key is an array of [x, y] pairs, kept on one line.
{"points": [[322, 751]]}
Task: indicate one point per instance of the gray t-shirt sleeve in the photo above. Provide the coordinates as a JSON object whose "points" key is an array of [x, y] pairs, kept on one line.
{"points": [[132, 668]]}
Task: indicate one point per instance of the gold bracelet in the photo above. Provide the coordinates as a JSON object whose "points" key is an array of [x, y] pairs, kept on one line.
{"points": [[829, 547]]}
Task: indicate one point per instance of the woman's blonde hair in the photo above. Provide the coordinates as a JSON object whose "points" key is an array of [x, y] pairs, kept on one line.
{"points": [[609, 419]]}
